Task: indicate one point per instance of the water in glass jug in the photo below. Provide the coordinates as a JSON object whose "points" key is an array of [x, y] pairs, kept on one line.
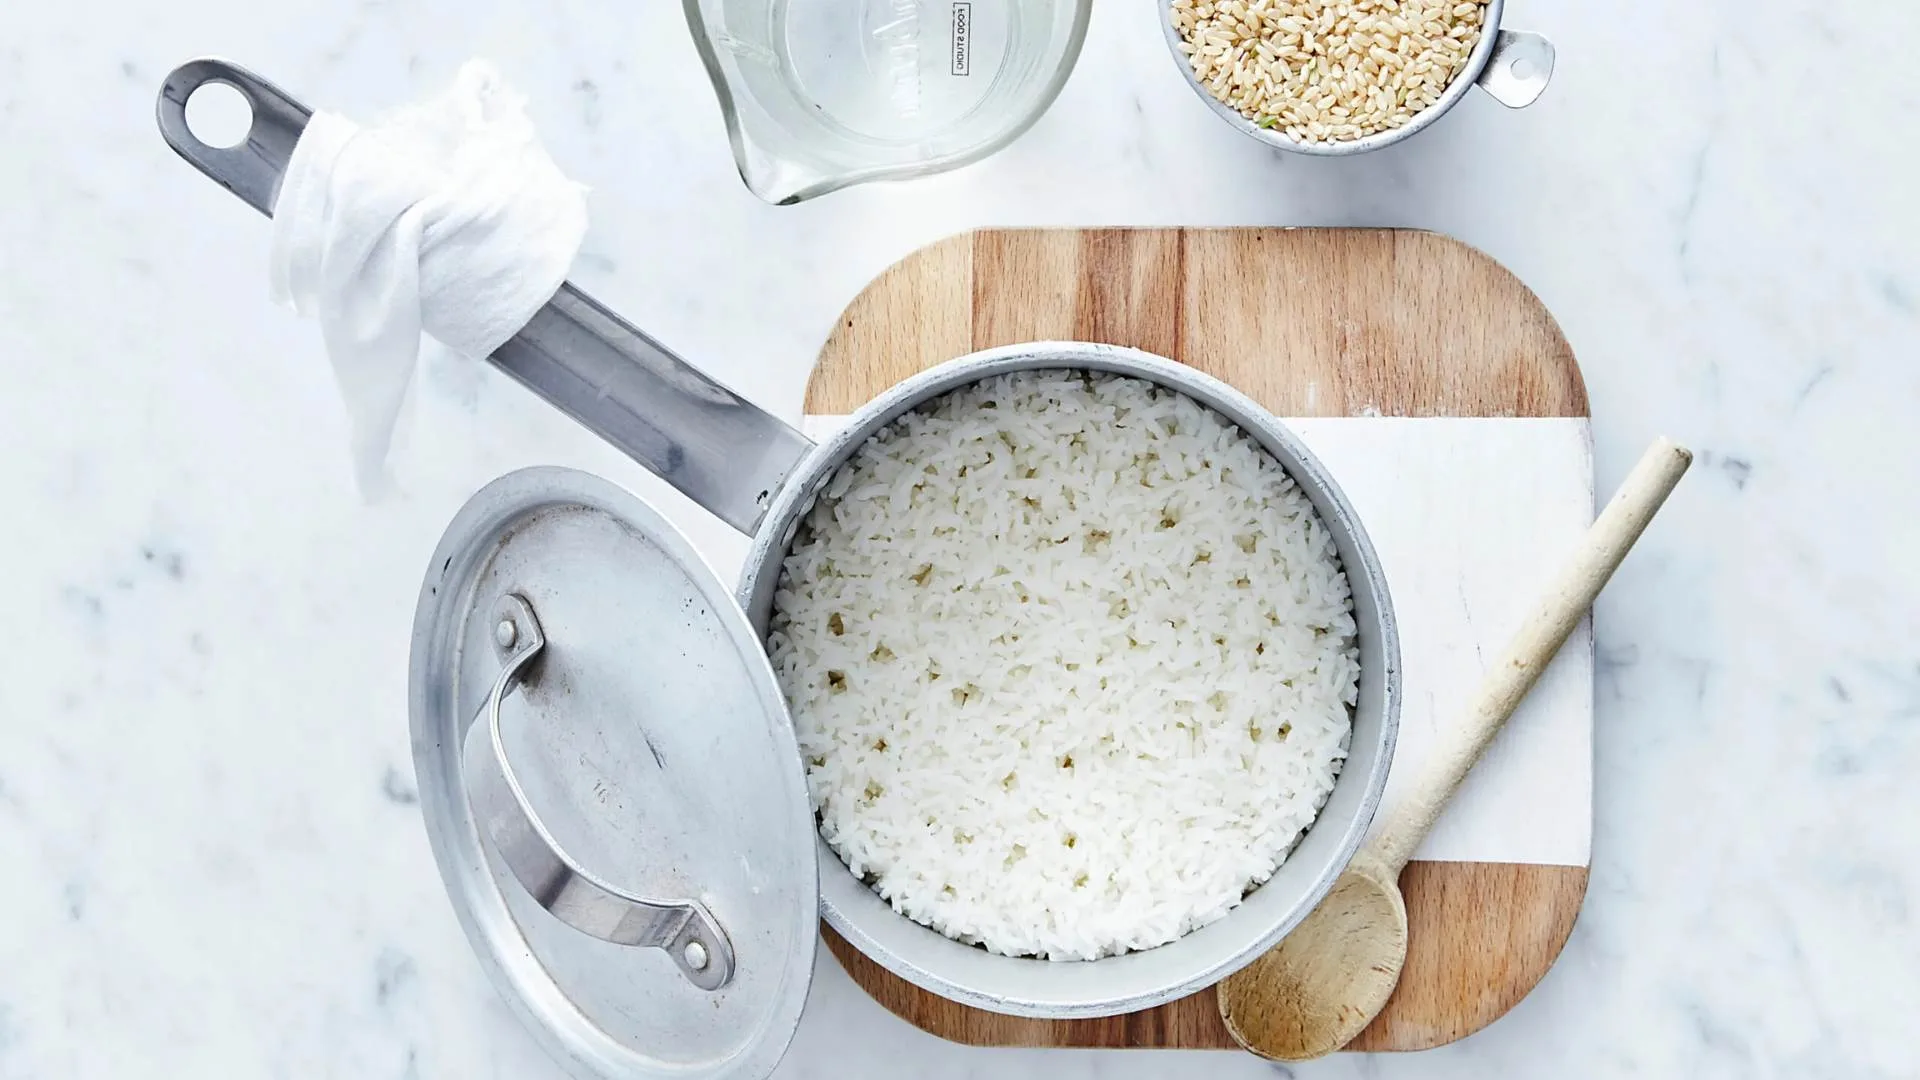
{"points": [[820, 94]]}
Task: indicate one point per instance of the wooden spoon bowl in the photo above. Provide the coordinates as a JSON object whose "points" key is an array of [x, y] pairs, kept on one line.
{"points": [[1312, 993]]}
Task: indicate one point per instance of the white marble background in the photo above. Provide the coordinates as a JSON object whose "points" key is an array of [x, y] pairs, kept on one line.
{"points": [[210, 864]]}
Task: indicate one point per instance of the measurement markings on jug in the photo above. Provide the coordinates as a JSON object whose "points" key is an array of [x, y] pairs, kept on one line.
{"points": [[962, 38], [899, 41]]}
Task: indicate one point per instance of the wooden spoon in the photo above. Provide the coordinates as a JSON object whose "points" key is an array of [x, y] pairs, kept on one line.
{"points": [[1312, 993]]}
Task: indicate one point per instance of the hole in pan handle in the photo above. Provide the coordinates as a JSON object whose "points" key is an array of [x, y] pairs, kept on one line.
{"points": [[715, 446], [567, 890], [252, 168]]}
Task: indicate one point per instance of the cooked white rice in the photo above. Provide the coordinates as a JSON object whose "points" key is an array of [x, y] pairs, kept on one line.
{"points": [[1072, 661]]}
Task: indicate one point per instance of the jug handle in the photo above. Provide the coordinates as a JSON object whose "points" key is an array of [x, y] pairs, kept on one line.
{"points": [[715, 446]]}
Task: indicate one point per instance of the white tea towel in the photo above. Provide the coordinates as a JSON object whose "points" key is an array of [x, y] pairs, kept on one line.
{"points": [[446, 216]]}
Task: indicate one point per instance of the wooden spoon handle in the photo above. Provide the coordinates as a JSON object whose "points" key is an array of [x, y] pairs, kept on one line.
{"points": [[1507, 682]]}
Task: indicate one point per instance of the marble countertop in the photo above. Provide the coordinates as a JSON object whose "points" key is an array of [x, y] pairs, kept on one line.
{"points": [[211, 861]]}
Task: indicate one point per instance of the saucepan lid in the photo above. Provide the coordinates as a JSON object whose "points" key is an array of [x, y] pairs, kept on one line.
{"points": [[611, 784]]}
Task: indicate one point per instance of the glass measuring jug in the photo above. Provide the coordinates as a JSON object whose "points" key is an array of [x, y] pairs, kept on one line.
{"points": [[822, 94]]}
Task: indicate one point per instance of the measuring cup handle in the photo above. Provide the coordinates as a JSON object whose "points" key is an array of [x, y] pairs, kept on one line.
{"points": [[559, 884], [717, 447], [1518, 69]]}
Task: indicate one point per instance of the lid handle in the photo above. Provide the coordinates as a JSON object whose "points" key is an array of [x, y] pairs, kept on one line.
{"points": [[684, 928]]}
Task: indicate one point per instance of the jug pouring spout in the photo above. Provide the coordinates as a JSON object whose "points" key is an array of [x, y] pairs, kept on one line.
{"points": [[818, 95]]}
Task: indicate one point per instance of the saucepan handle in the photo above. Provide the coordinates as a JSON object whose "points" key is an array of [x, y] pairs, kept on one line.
{"points": [[566, 889], [717, 447], [1518, 69]]}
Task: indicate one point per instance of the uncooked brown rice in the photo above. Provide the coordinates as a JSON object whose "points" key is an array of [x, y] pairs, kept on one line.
{"points": [[1328, 70]]}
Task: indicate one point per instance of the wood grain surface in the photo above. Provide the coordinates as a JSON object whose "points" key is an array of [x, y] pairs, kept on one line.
{"points": [[1309, 322]]}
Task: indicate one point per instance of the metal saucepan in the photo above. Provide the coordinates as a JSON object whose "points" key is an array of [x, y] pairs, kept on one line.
{"points": [[761, 476]]}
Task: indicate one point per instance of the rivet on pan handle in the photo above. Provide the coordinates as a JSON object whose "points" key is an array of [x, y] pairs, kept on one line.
{"points": [[567, 890]]}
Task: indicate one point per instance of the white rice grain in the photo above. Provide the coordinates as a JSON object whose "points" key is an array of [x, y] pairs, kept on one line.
{"points": [[1072, 661]]}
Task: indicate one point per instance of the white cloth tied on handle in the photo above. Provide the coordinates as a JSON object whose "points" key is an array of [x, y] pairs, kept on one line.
{"points": [[446, 216]]}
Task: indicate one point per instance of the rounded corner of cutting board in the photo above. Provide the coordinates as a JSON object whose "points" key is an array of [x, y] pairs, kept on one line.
{"points": [[1493, 931], [1403, 322], [1570, 381]]}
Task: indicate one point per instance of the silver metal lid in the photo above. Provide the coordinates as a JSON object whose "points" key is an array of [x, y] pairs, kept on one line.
{"points": [[610, 781]]}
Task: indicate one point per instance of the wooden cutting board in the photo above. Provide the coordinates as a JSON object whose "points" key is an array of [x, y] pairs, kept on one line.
{"points": [[1309, 322]]}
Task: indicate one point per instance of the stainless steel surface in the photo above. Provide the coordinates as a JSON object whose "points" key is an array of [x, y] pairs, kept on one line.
{"points": [[1140, 980], [649, 736], [629, 656], [1503, 84], [251, 169], [1518, 71], [716, 446], [711, 443], [567, 890]]}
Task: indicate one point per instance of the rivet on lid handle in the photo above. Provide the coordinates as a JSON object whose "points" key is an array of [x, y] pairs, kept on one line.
{"points": [[567, 890]]}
